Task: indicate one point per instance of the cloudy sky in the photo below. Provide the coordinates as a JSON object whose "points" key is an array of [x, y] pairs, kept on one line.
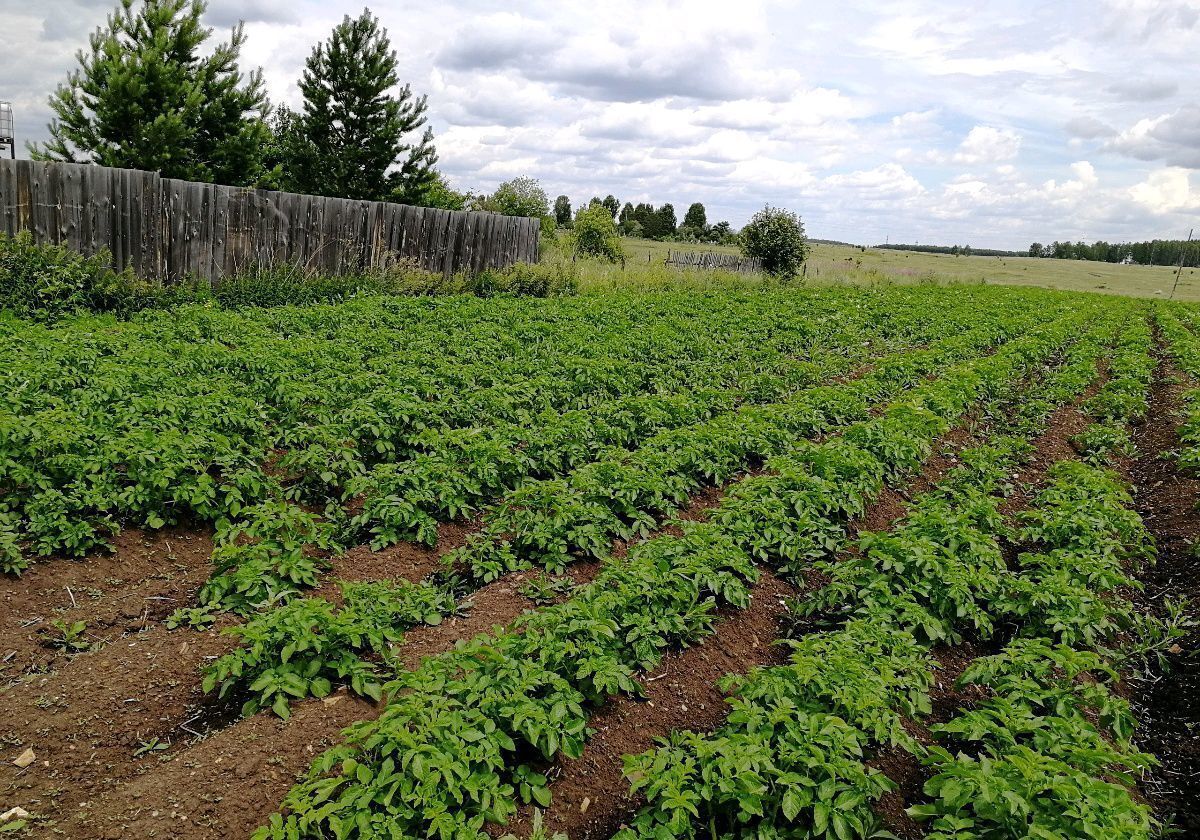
{"points": [[993, 123]]}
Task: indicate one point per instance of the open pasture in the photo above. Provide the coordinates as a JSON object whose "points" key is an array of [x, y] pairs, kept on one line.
{"points": [[835, 264]]}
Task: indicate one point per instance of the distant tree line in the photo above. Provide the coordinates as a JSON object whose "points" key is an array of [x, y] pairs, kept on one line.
{"points": [[955, 250], [646, 220], [1153, 252]]}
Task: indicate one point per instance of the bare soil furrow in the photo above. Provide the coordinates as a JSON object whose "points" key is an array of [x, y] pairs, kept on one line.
{"points": [[146, 576], [1168, 706]]}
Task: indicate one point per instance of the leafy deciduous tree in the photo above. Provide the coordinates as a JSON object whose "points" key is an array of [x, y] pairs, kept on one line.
{"points": [[626, 216], [441, 195], [562, 211], [595, 234], [521, 196], [695, 217], [666, 220]]}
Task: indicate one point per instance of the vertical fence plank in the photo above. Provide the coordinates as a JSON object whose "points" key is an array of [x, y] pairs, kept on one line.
{"points": [[220, 233], [166, 229], [133, 210], [25, 196], [70, 213], [38, 178], [100, 208], [8, 198]]}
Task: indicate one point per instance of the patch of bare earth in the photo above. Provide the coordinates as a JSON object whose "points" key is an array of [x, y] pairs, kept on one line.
{"points": [[145, 576], [1168, 705]]}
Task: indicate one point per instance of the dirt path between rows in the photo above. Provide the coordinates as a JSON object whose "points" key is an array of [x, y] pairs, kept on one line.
{"points": [[1168, 707], [591, 796], [145, 576]]}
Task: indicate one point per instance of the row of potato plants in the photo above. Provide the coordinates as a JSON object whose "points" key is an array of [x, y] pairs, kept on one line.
{"points": [[206, 414], [458, 742], [549, 523], [620, 497], [1046, 754], [144, 413], [1178, 325], [462, 468]]}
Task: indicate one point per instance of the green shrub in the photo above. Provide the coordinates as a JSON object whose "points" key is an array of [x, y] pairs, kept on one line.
{"points": [[555, 279], [595, 235], [45, 282], [289, 285], [776, 238]]}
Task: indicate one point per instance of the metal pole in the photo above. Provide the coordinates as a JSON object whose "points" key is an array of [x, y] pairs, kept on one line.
{"points": [[1179, 271]]}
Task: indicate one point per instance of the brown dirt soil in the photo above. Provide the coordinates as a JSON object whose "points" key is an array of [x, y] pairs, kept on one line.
{"points": [[127, 796], [947, 698], [227, 783], [1168, 706], [85, 720], [145, 681], [404, 560], [681, 693], [145, 576]]}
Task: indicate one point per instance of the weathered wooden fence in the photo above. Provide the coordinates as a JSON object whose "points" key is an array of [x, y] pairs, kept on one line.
{"points": [[712, 259], [166, 229]]}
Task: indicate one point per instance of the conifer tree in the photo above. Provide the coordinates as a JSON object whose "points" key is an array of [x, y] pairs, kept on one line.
{"points": [[353, 135], [146, 97]]}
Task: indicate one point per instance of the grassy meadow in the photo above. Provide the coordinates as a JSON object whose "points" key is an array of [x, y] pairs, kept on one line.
{"points": [[833, 264]]}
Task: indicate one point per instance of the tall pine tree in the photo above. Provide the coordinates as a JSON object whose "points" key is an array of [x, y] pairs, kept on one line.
{"points": [[144, 97], [350, 140]]}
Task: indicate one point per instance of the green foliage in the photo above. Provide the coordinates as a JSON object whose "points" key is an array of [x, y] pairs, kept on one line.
{"points": [[595, 235], [543, 589], [47, 282], [298, 650], [151, 94], [1027, 794], [67, 637], [1185, 348], [789, 757], [438, 193], [665, 223], [696, 218], [1101, 442], [776, 238], [197, 618], [270, 551], [663, 593], [1053, 734], [353, 139], [521, 196], [562, 211], [152, 745]]}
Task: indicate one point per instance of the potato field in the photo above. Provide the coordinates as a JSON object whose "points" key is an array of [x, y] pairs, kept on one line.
{"points": [[717, 564]]}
